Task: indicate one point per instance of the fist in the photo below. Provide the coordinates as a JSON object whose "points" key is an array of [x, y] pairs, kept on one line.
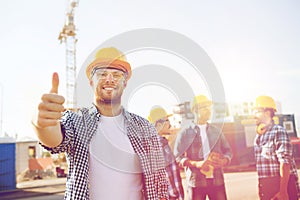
{"points": [[51, 107]]}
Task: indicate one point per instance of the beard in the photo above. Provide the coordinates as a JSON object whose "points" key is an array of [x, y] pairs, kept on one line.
{"points": [[116, 100], [108, 97]]}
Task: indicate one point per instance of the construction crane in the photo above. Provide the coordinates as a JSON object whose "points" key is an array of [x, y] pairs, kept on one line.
{"points": [[68, 36]]}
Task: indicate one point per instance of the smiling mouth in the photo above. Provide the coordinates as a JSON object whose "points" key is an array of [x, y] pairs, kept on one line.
{"points": [[108, 88]]}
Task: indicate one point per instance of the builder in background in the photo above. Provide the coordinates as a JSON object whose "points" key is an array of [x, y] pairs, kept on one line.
{"points": [[276, 168], [203, 150], [159, 117]]}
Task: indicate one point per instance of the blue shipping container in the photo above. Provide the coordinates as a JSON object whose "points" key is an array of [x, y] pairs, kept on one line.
{"points": [[7, 166]]}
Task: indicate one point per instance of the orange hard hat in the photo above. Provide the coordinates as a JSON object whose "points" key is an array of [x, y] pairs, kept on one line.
{"points": [[109, 57]]}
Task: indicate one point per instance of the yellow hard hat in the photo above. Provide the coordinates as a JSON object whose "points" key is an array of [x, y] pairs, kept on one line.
{"points": [[109, 57], [265, 102], [201, 100], [157, 113]]}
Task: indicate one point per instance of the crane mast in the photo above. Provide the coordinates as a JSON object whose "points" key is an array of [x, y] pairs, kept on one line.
{"points": [[68, 36]]}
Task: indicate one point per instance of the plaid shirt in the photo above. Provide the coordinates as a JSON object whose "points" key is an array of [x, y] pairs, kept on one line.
{"points": [[173, 171], [188, 145], [79, 128], [271, 149]]}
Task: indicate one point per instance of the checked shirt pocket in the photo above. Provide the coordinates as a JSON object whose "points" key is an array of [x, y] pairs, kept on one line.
{"points": [[268, 152]]}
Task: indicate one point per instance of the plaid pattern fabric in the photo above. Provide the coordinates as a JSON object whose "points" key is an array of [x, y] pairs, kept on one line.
{"points": [[79, 128], [175, 189], [271, 149], [188, 146]]}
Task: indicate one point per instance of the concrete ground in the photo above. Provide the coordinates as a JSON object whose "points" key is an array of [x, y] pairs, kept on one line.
{"points": [[36, 189], [239, 186]]}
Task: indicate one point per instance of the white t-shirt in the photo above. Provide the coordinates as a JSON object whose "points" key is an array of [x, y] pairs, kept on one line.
{"points": [[114, 168], [205, 142]]}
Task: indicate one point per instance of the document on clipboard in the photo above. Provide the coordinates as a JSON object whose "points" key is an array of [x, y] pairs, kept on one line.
{"points": [[207, 169]]}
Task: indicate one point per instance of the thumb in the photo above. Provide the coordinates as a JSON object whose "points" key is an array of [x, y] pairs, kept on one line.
{"points": [[55, 83]]}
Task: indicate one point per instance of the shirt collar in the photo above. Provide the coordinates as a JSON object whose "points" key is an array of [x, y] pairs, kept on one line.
{"points": [[94, 112], [194, 125]]}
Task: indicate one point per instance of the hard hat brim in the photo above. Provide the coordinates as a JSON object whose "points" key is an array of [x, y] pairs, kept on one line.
{"points": [[257, 108], [202, 104], [153, 119]]}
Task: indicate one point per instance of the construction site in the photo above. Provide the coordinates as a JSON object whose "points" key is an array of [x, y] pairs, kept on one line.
{"points": [[25, 162]]}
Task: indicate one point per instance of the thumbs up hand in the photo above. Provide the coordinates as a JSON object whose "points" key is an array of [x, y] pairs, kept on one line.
{"points": [[51, 107], [55, 83]]}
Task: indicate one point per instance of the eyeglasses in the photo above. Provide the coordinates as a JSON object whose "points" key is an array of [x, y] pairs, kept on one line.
{"points": [[103, 74]]}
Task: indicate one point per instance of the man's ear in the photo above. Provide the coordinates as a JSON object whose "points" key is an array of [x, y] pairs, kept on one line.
{"points": [[158, 126], [91, 83], [125, 82], [268, 113]]}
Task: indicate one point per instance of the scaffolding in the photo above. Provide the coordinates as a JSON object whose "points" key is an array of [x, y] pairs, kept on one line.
{"points": [[68, 36]]}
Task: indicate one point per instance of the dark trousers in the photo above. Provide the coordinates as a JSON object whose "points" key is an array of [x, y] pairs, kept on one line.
{"points": [[268, 187], [213, 192]]}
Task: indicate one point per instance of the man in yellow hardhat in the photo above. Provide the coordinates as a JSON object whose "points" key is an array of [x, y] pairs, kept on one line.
{"points": [[276, 168], [112, 153], [203, 150], [159, 117]]}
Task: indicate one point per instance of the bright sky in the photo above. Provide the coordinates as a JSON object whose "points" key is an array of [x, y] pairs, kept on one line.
{"points": [[255, 46]]}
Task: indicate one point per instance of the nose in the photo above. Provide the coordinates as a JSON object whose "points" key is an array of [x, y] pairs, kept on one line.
{"points": [[109, 78], [169, 125]]}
